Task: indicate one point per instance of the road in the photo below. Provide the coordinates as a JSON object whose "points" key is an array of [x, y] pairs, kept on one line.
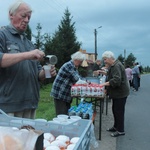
{"points": [[137, 119]]}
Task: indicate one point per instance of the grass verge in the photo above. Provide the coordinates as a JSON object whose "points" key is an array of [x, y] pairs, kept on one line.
{"points": [[46, 109]]}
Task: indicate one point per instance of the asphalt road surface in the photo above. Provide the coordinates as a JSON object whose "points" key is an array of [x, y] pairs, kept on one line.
{"points": [[137, 119]]}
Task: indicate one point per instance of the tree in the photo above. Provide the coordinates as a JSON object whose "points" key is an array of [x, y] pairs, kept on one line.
{"points": [[48, 43], [64, 41], [28, 33], [54, 47], [130, 59], [39, 39], [121, 58], [146, 69]]}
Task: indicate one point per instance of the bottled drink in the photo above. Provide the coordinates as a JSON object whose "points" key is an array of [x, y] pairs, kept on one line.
{"points": [[86, 115], [72, 111]]}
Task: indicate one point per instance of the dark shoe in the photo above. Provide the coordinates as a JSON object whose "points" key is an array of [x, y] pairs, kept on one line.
{"points": [[112, 129], [134, 90], [116, 134]]}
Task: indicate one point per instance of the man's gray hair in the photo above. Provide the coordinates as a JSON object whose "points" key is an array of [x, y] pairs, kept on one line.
{"points": [[108, 54], [13, 7], [78, 56]]}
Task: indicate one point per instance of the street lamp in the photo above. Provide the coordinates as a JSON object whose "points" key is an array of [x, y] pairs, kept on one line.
{"points": [[95, 35]]}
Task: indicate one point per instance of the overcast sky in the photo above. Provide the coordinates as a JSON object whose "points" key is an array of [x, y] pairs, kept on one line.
{"points": [[125, 23]]}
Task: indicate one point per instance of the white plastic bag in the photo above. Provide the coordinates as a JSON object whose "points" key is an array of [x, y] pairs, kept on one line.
{"points": [[93, 142], [15, 139], [81, 82]]}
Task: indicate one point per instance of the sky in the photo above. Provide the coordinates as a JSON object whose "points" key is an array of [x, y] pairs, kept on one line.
{"points": [[125, 24]]}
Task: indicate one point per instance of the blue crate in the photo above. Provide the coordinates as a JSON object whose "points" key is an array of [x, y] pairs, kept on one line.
{"points": [[80, 128]]}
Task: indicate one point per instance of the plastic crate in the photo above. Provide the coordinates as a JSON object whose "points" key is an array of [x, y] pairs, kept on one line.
{"points": [[80, 128]]}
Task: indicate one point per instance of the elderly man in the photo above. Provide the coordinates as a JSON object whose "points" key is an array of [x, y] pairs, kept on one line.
{"points": [[20, 70]]}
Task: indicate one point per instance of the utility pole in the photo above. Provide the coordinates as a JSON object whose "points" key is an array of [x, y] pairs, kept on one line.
{"points": [[95, 35]]}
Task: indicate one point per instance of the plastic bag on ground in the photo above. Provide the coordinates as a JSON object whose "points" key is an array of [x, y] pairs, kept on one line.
{"points": [[93, 142]]}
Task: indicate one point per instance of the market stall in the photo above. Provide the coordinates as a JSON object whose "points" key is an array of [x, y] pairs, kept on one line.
{"points": [[91, 93]]}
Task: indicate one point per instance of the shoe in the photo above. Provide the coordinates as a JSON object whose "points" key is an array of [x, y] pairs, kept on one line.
{"points": [[112, 129], [134, 90], [116, 134]]}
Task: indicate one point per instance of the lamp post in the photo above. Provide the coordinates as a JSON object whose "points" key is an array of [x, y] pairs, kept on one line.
{"points": [[95, 35]]}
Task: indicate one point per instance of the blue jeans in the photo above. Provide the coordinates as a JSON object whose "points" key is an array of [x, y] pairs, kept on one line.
{"points": [[135, 81]]}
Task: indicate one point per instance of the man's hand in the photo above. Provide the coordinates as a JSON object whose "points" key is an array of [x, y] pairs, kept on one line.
{"points": [[36, 55], [53, 71]]}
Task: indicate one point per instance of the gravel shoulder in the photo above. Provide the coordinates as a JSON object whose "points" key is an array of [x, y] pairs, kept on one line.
{"points": [[107, 142]]}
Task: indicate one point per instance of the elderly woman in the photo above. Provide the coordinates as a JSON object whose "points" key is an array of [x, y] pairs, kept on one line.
{"points": [[67, 75], [118, 89]]}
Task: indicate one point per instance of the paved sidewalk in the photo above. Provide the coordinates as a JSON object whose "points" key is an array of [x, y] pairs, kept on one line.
{"points": [[107, 142]]}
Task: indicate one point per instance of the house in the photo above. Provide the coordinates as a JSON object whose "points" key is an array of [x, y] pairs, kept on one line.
{"points": [[90, 57], [88, 63]]}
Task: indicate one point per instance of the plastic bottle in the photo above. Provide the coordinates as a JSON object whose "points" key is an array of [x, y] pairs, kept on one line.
{"points": [[102, 79], [86, 114], [72, 111], [79, 113], [90, 110]]}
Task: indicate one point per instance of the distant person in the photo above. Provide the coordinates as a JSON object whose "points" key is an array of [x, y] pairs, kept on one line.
{"points": [[136, 76], [129, 75], [102, 72], [20, 69], [66, 77], [118, 90], [140, 70], [96, 67]]}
